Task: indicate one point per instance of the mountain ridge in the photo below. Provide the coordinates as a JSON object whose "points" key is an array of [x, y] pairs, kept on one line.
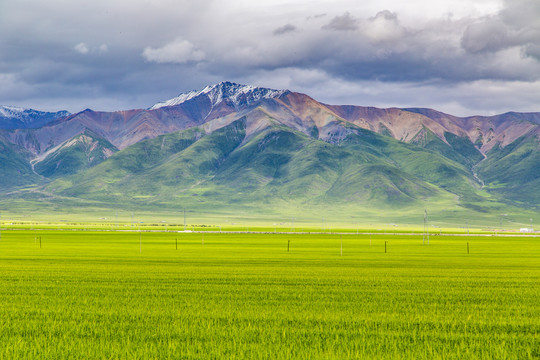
{"points": [[292, 148]]}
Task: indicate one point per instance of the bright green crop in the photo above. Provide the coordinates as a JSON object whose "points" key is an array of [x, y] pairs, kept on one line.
{"points": [[119, 295]]}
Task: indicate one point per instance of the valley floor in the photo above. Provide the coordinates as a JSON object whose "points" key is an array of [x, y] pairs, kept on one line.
{"points": [[84, 294]]}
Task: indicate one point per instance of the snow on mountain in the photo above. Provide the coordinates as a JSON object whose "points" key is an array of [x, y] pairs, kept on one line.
{"points": [[13, 117], [236, 94], [11, 111]]}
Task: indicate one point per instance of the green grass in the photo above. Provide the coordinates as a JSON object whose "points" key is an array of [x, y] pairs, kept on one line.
{"points": [[95, 295]]}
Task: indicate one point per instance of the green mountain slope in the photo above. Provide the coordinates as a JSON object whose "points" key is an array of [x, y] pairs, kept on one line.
{"points": [[456, 148], [15, 170], [513, 171], [275, 165], [108, 178], [81, 152]]}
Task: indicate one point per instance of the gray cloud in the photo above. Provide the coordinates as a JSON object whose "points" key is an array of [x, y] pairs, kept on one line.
{"points": [[516, 25], [284, 29], [345, 22], [490, 35], [130, 54], [533, 51], [316, 16]]}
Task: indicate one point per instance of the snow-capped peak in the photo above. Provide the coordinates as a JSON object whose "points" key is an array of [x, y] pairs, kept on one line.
{"points": [[11, 111], [13, 117], [235, 93]]}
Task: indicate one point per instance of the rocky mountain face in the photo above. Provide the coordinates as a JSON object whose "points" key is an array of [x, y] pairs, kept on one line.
{"points": [[234, 140]]}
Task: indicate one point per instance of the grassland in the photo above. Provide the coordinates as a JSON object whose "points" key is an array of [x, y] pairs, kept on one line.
{"points": [[129, 295], [348, 218]]}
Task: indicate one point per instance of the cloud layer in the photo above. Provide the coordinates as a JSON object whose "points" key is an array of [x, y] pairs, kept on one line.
{"points": [[458, 56]]}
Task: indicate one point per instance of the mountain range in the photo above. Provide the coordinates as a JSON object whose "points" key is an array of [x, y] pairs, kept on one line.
{"points": [[237, 145]]}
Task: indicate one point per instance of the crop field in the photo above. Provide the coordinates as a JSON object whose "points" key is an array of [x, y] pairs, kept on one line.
{"points": [[129, 295]]}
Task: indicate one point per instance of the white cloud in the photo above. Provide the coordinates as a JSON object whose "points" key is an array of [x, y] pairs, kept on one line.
{"points": [[82, 48], [384, 27], [178, 51]]}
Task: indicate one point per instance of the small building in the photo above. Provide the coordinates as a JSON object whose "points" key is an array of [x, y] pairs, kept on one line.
{"points": [[526, 230]]}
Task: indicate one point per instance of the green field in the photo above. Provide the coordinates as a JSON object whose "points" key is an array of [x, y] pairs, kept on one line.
{"points": [[124, 295]]}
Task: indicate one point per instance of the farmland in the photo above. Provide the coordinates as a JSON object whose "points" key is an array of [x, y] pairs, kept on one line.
{"points": [[90, 294]]}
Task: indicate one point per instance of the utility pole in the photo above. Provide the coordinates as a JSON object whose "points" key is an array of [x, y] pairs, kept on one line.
{"points": [[426, 228], [424, 233]]}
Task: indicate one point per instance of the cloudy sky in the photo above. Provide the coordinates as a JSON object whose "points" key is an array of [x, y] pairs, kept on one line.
{"points": [[463, 57]]}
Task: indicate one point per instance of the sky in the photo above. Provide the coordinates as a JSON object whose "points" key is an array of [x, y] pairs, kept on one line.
{"points": [[463, 57]]}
